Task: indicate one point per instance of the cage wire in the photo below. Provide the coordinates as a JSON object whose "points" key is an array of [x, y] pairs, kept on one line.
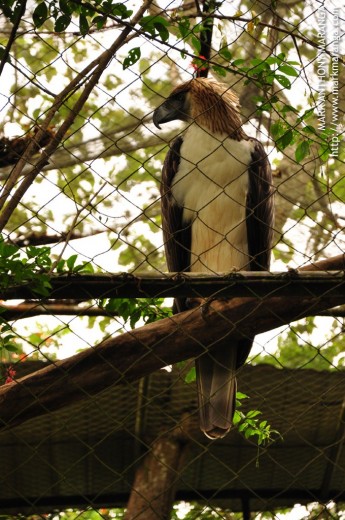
{"points": [[98, 403]]}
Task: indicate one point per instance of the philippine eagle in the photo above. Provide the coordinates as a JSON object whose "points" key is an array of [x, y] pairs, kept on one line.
{"points": [[217, 216]]}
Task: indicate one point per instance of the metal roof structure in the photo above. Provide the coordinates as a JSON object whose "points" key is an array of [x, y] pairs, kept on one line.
{"points": [[85, 455]]}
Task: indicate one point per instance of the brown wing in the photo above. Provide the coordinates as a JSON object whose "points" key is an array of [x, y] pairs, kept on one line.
{"points": [[176, 235], [260, 210], [260, 222]]}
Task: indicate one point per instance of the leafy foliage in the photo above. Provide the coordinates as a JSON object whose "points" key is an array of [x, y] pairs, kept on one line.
{"points": [[250, 425], [301, 346], [89, 14], [132, 310], [30, 268]]}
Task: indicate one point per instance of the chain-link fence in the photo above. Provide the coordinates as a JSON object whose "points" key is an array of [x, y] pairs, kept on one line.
{"points": [[172, 260]]}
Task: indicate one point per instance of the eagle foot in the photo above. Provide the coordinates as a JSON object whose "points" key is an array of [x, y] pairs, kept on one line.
{"points": [[203, 304], [193, 303]]}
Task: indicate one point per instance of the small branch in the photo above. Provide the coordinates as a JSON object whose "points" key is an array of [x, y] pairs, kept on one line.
{"points": [[206, 37], [42, 239], [73, 225], [32, 309], [288, 32], [13, 34], [336, 312]]}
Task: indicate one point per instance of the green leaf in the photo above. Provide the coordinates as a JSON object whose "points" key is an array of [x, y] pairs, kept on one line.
{"points": [[40, 14], [302, 151], [191, 375], [163, 32], [324, 151], [306, 114], [133, 56], [253, 413], [8, 250], [155, 25], [289, 108], [60, 266], [100, 21], [62, 22], [285, 140], [183, 26], [258, 66], [71, 262], [10, 347], [225, 53], [121, 11], [42, 288], [240, 395], [83, 25], [219, 70], [66, 6], [196, 44], [271, 60], [283, 80], [288, 70], [238, 62], [85, 267]]}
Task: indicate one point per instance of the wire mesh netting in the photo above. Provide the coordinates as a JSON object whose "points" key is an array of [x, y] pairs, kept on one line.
{"points": [[172, 260]]}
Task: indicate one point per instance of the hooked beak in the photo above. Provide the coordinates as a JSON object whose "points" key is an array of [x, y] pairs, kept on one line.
{"points": [[162, 115], [171, 110]]}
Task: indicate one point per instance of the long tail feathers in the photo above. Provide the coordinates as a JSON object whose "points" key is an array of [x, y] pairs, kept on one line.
{"points": [[216, 380]]}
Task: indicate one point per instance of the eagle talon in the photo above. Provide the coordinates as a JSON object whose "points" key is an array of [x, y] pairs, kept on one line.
{"points": [[205, 308], [193, 303]]}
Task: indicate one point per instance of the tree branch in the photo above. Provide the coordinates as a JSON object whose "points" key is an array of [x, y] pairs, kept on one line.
{"points": [[65, 308], [13, 35], [128, 357], [97, 67]]}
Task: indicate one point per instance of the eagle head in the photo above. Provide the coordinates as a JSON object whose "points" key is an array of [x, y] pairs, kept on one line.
{"points": [[210, 104], [175, 107]]}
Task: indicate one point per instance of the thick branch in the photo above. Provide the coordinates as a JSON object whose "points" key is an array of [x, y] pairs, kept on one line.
{"points": [[128, 357]]}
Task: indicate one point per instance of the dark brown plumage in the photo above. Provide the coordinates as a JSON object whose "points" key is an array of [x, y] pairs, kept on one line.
{"points": [[217, 215]]}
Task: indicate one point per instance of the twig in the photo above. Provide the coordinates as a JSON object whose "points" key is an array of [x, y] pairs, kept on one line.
{"points": [[32, 309], [12, 37], [75, 220]]}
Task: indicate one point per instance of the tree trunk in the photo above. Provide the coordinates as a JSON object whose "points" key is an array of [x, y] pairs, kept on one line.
{"points": [[153, 490]]}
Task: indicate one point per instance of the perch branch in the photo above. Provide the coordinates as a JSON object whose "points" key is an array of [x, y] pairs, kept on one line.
{"points": [[128, 357]]}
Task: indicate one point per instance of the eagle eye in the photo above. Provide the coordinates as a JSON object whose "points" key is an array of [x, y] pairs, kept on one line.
{"points": [[179, 96]]}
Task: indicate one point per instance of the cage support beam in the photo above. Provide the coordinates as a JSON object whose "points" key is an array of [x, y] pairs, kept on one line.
{"points": [[193, 285]]}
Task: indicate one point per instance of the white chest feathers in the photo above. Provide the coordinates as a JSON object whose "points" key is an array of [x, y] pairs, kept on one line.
{"points": [[211, 185]]}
